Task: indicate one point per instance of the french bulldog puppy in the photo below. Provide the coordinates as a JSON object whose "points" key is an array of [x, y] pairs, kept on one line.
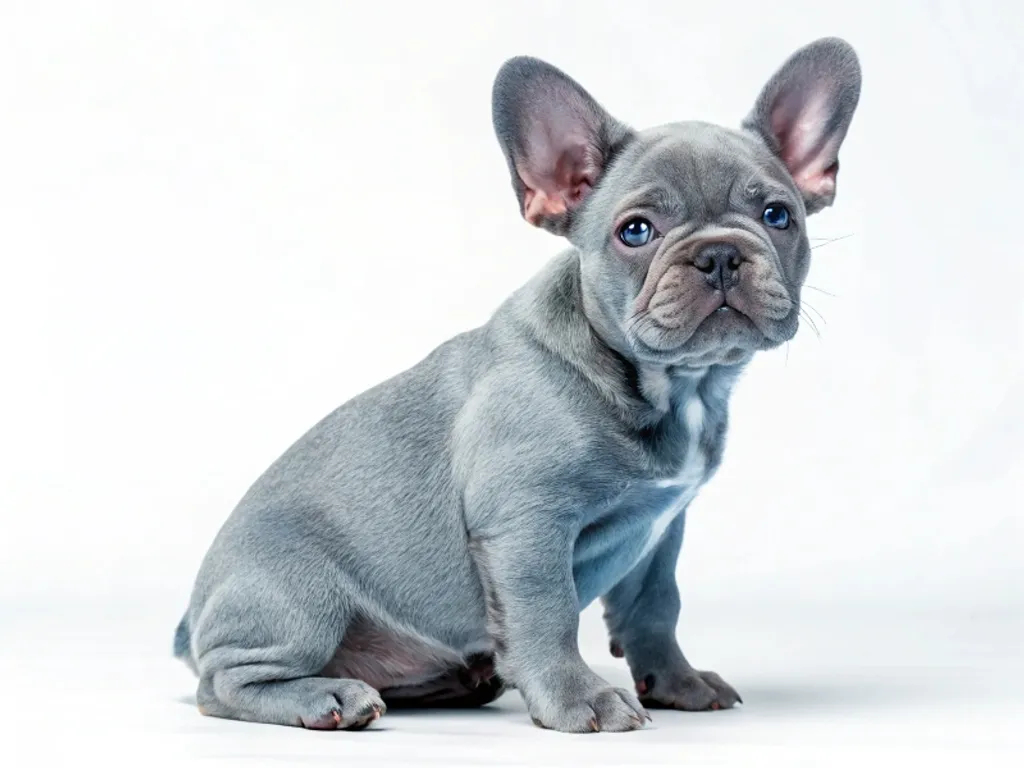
{"points": [[433, 540]]}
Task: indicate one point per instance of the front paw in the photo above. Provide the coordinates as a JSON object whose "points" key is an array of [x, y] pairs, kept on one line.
{"points": [[687, 689], [583, 703]]}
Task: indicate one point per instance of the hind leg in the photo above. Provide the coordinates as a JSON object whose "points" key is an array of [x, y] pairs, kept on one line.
{"points": [[259, 655]]}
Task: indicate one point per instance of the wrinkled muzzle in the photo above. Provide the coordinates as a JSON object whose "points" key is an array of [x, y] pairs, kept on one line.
{"points": [[726, 281]]}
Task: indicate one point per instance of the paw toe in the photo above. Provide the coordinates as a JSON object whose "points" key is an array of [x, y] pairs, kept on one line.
{"points": [[726, 696], [359, 710], [618, 710], [329, 721], [353, 706]]}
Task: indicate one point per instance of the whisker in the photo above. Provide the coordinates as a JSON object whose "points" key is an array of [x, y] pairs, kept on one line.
{"points": [[798, 288], [815, 310], [819, 290], [830, 241], [634, 321], [810, 321]]}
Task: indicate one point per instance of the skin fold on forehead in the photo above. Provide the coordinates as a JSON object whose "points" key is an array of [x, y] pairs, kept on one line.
{"points": [[692, 169]]}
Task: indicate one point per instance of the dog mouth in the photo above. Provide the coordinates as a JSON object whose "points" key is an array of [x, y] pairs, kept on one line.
{"points": [[728, 313], [725, 316], [721, 305], [723, 328]]}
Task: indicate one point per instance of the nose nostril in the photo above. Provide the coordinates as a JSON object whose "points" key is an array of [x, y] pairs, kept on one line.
{"points": [[705, 264], [723, 259]]}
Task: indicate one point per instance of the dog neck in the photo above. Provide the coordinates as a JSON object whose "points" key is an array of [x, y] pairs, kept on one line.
{"points": [[551, 310]]}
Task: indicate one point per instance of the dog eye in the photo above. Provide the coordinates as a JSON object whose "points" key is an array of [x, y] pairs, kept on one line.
{"points": [[776, 216], [636, 232]]}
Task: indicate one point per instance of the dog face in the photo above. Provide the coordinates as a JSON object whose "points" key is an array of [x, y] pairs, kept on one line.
{"points": [[692, 236]]}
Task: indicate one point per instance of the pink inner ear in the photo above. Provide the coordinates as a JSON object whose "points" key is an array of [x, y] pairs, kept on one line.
{"points": [[559, 171], [538, 205], [799, 124]]}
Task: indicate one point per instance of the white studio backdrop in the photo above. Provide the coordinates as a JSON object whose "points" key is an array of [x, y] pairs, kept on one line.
{"points": [[219, 220]]}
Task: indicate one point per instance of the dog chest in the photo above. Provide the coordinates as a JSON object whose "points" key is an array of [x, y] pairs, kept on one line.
{"points": [[610, 547]]}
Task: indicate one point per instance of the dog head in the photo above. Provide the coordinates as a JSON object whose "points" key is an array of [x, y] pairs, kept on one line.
{"points": [[692, 236]]}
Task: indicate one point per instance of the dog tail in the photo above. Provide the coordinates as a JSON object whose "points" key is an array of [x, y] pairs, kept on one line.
{"points": [[183, 643]]}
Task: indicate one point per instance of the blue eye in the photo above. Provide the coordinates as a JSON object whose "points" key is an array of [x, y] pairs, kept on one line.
{"points": [[776, 216], [636, 232]]}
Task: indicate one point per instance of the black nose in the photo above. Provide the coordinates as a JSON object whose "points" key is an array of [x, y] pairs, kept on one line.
{"points": [[720, 262]]}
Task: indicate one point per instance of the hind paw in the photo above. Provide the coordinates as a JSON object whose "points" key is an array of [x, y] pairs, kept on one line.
{"points": [[353, 706]]}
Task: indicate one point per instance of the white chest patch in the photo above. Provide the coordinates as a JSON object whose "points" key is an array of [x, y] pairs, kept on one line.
{"points": [[688, 479], [656, 387], [693, 465]]}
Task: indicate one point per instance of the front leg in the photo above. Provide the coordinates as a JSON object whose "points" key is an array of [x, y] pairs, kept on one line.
{"points": [[642, 612], [526, 569]]}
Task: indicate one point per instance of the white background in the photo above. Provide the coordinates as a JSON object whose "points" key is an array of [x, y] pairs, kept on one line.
{"points": [[219, 220]]}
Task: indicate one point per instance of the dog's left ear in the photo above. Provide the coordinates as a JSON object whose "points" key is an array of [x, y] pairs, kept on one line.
{"points": [[556, 138], [804, 112]]}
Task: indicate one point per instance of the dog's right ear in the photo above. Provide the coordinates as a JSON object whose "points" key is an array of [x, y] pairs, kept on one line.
{"points": [[556, 138]]}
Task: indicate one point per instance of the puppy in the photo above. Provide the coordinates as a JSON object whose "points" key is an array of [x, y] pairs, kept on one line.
{"points": [[433, 540]]}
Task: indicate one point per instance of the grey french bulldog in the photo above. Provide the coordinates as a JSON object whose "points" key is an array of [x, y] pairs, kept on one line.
{"points": [[432, 542]]}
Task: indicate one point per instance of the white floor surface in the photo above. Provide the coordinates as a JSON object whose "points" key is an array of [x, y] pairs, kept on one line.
{"points": [[819, 690]]}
